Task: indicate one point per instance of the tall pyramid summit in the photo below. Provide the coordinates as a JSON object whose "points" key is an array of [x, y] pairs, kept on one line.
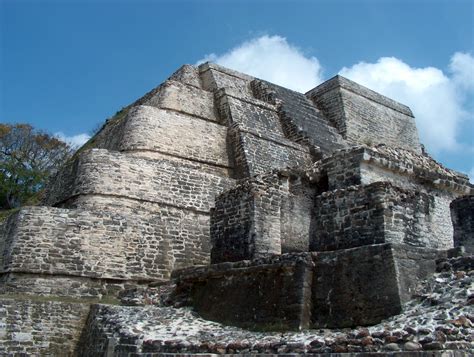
{"points": [[223, 214]]}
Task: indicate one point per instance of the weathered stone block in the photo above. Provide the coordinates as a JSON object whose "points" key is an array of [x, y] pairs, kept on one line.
{"points": [[364, 285], [362, 115], [198, 139], [301, 120], [182, 98], [187, 74], [215, 77], [365, 165], [462, 214], [102, 244], [245, 223], [269, 294], [40, 328], [378, 213], [256, 155], [268, 214], [344, 288], [103, 172]]}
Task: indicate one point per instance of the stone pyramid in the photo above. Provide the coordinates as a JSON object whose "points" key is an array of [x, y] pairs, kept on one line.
{"points": [[255, 205]]}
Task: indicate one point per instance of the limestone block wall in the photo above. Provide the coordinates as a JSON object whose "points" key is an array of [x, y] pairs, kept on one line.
{"points": [[245, 223], [462, 214], [362, 286], [214, 77], [103, 244], [103, 172], [149, 128], [40, 328], [364, 165], [271, 293], [343, 288], [409, 171], [301, 120], [362, 115], [378, 213], [68, 287], [297, 214], [265, 215], [183, 98], [256, 136]]}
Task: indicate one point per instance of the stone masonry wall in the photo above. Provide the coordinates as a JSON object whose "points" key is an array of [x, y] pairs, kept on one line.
{"points": [[301, 120], [246, 224], [102, 172], [267, 214], [214, 77], [103, 244], [364, 165], [377, 213], [256, 136], [40, 328], [364, 116], [271, 294], [409, 171], [362, 286], [297, 214], [462, 214]]}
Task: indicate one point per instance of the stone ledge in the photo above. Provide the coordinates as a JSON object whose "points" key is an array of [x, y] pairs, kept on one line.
{"points": [[344, 288]]}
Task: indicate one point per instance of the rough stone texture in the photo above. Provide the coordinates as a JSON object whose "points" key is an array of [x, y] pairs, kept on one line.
{"points": [[364, 165], [462, 214], [344, 288], [187, 74], [40, 328], [269, 294], [67, 286], [301, 120], [378, 213], [137, 202], [182, 98], [214, 77], [103, 244], [362, 286], [103, 172], [363, 116], [268, 214], [256, 135], [438, 322]]}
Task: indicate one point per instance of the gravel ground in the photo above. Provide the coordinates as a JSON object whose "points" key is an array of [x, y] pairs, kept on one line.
{"points": [[440, 317]]}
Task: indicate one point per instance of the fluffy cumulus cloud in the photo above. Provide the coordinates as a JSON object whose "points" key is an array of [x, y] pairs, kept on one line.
{"points": [[272, 58], [436, 98], [440, 100], [462, 68], [75, 140]]}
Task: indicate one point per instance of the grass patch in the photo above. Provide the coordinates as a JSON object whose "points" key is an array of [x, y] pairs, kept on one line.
{"points": [[4, 214]]}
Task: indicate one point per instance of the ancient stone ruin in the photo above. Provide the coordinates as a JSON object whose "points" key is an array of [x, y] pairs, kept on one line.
{"points": [[224, 214]]}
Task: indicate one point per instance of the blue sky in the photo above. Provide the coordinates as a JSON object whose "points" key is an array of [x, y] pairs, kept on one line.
{"points": [[65, 66]]}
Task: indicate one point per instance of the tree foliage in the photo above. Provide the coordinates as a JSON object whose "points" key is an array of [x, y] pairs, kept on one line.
{"points": [[28, 157]]}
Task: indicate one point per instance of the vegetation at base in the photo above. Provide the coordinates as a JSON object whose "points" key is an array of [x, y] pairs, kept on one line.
{"points": [[28, 157]]}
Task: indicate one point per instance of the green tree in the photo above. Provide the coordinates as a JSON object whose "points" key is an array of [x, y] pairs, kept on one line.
{"points": [[28, 157]]}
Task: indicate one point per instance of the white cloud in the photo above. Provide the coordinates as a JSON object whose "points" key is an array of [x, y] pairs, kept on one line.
{"points": [[471, 175], [75, 140], [272, 58], [439, 100], [435, 98], [462, 67]]}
